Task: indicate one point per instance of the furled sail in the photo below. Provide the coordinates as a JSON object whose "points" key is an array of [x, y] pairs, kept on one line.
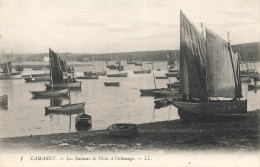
{"points": [[170, 59], [7, 67], [56, 67], [192, 60], [221, 77]]}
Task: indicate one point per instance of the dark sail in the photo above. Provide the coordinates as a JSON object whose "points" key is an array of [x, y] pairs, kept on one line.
{"points": [[57, 67], [7, 67], [192, 60]]}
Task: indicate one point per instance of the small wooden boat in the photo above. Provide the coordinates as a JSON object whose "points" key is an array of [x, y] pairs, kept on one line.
{"points": [[117, 75], [253, 87], [37, 79], [67, 109], [83, 122], [91, 76], [161, 77], [142, 72], [158, 69], [76, 84], [172, 74], [123, 130], [138, 63], [37, 68], [245, 79], [88, 72], [40, 75], [26, 76], [161, 102], [101, 73], [111, 83], [174, 85], [19, 68], [167, 93], [50, 93], [4, 102], [150, 92]]}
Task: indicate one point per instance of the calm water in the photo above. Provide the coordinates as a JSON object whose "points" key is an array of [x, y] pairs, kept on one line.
{"points": [[107, 105]]}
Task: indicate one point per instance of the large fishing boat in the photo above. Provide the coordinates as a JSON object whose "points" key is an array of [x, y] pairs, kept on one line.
{"points": [[60, 79], [209, 77], [7, 71]]}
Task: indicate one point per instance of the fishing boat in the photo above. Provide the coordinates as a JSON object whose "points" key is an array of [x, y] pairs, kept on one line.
{"points": [[172, 74], [129, 60], [143, 72], [123, 130], [67, 109], [57, 71], [118, 75], [161, 77], [4, 102], [19, 68], [37, 68], [37, 79], [162, 102], [40, 75], [138, 63], [88, 77], [7, 72], [208, 94], [167, 93], [174, 85], [60, 77], [150, 92], [50, 93], [83, 122], [253, 87], [111, 83]]}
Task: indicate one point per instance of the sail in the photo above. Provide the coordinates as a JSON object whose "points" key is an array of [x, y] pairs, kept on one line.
{"points": [[7, 67], [170, 59], [192, 60], [56, 69], [220, 74]]}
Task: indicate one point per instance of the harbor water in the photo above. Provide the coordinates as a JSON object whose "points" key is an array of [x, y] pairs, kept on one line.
{"points": [[107, 105]]}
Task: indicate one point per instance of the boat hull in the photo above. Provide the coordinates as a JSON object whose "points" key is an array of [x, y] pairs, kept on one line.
{"points": [[150, 92], [213, 110], [174, 85], [142, 72], [111, 83], [4, 102], [253, 87], [123, 130], [54, 93], [64, 85], [172, 74], [167, 93], [83, 122], [117, 75], [66, 109]]}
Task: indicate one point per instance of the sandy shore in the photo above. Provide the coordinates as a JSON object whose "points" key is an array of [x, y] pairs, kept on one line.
{"points": [[168, 136]]}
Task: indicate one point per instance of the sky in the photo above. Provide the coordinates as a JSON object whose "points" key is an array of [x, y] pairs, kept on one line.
{"points": [[109, 26]]}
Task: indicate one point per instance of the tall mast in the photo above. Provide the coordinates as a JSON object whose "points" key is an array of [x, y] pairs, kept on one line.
{"points": [[154, 78], [231, 58]]}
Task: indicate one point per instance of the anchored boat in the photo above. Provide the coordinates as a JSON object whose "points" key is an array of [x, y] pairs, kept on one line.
{"points": [[208, 93]]}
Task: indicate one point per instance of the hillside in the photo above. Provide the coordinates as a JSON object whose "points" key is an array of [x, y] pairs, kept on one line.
{"points": [[252, 50]]}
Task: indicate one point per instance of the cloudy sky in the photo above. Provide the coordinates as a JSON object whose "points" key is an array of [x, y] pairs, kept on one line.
{"points": [[102, 26]]}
